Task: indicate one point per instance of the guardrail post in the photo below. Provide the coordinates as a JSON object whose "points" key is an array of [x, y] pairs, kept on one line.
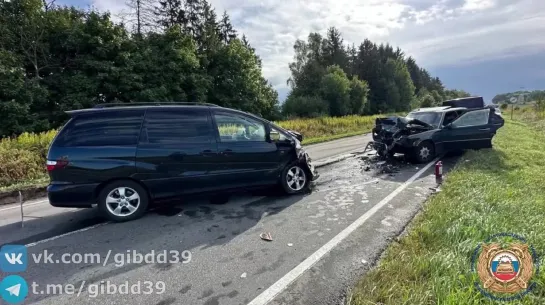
{"points": [[22, 214]]}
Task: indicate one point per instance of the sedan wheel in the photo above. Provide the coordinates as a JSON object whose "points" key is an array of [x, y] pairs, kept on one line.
{"points": [[425, 152]]}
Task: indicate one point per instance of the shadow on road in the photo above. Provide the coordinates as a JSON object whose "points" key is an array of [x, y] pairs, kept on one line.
{"points": [[193, 223]]}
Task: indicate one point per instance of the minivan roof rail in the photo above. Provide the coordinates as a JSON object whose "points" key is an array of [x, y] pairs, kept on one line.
{"points": [[106, 105]]}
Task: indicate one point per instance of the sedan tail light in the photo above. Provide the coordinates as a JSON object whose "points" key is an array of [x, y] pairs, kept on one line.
{"points": [[53, 165]]}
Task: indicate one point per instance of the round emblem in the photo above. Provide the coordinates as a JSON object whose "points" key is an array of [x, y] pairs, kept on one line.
{"points": [[504, 266], [505, 269]]}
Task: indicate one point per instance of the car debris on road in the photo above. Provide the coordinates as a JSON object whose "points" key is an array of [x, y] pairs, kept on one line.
{"points": [[266, 236]]}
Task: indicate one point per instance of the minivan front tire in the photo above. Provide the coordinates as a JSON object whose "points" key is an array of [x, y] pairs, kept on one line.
{"points": [[123, 200], [294, 179]]}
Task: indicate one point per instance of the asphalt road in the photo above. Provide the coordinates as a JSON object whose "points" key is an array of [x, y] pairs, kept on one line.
{"points": [[322, 243]]}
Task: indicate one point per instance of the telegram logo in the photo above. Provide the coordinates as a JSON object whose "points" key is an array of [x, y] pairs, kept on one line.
{"points": [[13, 289]]}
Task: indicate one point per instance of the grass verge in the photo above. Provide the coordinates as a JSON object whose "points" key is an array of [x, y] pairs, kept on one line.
{"points": [[317, 140], [497, 190], [39, 182]]}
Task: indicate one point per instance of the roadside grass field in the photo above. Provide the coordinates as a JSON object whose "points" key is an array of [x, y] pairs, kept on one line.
{"points": [[497, 190]]}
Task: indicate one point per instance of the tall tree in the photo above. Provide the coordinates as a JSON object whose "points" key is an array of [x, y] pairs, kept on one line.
{"points": [[170, 13], [227, 32], [140, 15], [334, 52]]}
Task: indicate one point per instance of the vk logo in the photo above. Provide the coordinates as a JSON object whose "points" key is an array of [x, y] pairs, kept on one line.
{"points": [[13, 289], [13, 258]]}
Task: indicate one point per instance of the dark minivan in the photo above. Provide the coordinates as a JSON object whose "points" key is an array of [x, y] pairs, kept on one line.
{"points": [[122, 157]]}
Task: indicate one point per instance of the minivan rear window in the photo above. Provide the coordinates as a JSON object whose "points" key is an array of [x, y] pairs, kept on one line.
{"points": [[102, 128]]}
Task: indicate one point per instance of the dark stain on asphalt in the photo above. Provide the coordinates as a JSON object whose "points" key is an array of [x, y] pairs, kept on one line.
{"points": [[225, 284], [163, 267], [185, 289], [210, 229], [167, 301], [213, 300], [221, 237], [190, 213], [246, 213], [274, 210], [272, 266], [227, 259], [206, 210], [249, 255], [167, 210], [207, 293], [236, 232], [261, 270]]}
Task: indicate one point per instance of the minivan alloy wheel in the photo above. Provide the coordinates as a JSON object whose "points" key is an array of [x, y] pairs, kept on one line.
{"points": [[122, 201], [296, 178]]}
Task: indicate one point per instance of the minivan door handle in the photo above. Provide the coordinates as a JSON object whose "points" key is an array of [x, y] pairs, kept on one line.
{"points": [[226, 152], [484, 129]]}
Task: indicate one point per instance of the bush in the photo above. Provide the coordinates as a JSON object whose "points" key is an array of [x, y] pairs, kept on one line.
{"points": [[23, 158], [19, 165], [503, 106]]}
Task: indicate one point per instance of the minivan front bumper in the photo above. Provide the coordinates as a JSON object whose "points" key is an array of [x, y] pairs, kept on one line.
{"points": [[72, 195], [306, 160]]}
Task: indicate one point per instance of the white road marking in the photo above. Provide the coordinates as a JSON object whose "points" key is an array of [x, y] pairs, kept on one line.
{"points": [[270, 293], [25, 205], [66, 234]]}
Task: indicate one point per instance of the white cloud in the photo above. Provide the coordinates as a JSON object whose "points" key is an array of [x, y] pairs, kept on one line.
{"points": [[435, 32]]}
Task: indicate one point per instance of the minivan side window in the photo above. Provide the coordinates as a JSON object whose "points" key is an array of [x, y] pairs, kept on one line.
{"points": [[102, 128], [176, 125], [238, 128]]}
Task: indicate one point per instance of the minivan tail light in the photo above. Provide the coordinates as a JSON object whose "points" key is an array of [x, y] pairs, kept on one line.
{"points": [[52, 165]]}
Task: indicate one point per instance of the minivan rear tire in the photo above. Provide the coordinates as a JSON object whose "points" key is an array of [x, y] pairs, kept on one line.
{"points": [[120, 192], [288, 184]]}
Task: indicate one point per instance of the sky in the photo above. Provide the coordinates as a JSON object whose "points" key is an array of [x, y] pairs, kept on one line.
{"points": [[485, 47]]}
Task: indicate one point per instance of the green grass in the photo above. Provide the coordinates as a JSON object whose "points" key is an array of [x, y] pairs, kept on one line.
{"points": [[39, 182], [498, 190], [316, 140]]}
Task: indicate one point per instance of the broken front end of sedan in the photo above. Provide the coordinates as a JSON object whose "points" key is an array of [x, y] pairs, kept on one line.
{"points": [[426, 132]]}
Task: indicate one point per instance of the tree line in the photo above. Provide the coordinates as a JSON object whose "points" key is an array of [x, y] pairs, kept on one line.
{"points": [[57, 58], [329, 77]]}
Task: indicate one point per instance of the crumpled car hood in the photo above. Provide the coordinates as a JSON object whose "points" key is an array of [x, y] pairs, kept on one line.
{"points": [[399, 122]]}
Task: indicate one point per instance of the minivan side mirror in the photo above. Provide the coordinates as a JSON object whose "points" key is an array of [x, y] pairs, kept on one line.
{"points": [[274, 136], [449, 126]]}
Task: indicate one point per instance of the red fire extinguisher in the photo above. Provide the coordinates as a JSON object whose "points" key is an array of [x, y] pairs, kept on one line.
{"points": [[439, 171]]}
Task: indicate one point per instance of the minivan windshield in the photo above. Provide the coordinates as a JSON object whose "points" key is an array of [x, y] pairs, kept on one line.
{"points": [[432, 118]]}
